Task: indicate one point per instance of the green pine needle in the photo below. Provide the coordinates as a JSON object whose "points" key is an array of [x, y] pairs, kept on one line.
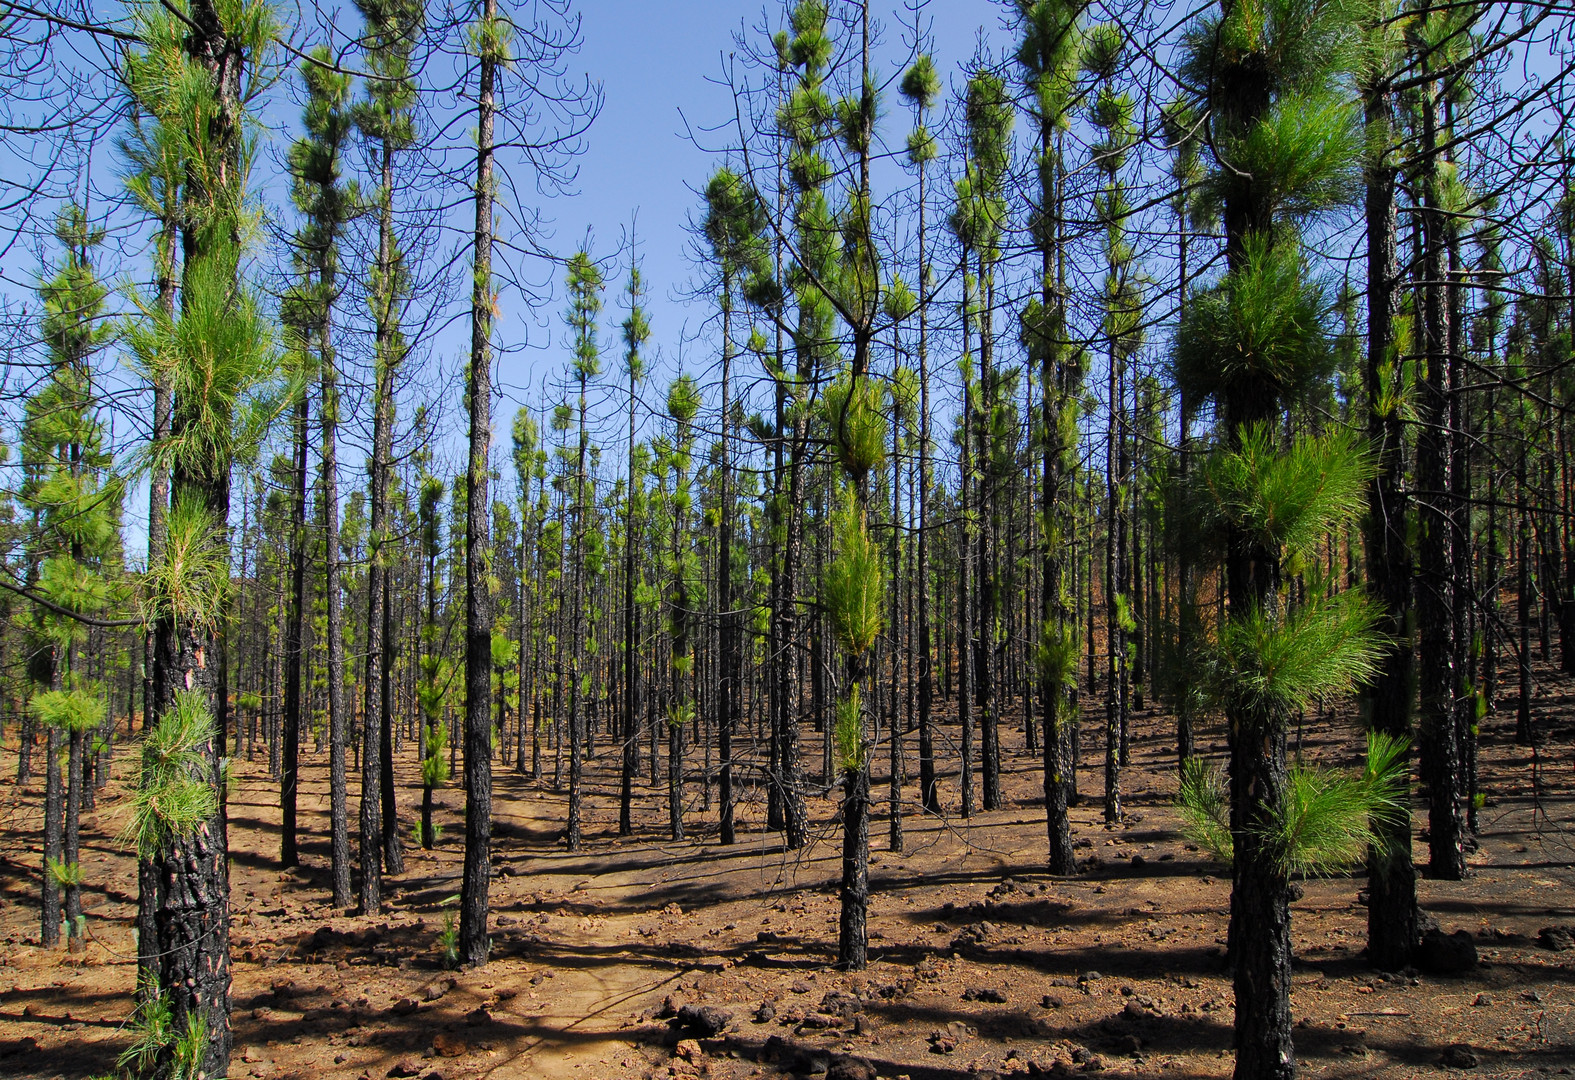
{"points": [[176, 792]]}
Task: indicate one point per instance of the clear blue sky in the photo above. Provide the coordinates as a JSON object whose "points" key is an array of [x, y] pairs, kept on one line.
{"points": [[660, 66]]}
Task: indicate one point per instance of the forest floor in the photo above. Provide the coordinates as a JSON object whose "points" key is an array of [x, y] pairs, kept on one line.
{"points": [[981, 963]]}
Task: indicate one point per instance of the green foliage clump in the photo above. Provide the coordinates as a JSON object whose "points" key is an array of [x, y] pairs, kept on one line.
{"points": [[77, 711], [1266, 667], [173, 796], [853, 589], [1057, 653], [852, 409], [62, 873], [434, 766], [154, 1034], [1261, 325], [852, 747], [1327, 821], [192, 582], [1289, 499]]}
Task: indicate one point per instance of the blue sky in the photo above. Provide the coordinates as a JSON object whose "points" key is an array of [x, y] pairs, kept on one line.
{"points": [[659, 64]]}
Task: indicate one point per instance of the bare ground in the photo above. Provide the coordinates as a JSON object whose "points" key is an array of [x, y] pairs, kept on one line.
{"points": [[981, 962]]}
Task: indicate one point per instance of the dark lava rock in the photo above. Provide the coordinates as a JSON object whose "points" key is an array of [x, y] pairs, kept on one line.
{"points": [[850, 1067], [838, 1003], [702, 1021], [973, 935], [1557, 938], [1447, 954], [988, 994], [765, 1012], [405, 1067], [1459, 1056]]}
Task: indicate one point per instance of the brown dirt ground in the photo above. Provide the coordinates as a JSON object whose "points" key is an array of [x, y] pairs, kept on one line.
{"points": [[981, 963]]}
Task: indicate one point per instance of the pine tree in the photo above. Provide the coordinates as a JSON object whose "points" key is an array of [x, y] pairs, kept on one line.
{"points": [[1047, 55], [490, 40], [386, 119], [735, 226], [1111, 115], [225, 388], [921, 87], [636, 331], [584, 283], [74, 500], [1284, 134]]}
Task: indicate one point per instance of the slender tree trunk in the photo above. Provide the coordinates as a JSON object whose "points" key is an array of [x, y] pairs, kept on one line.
{"points": [[1435, 588], [50, 911], [1392, 917], [338, 796], [294, 650], [473, 941], [731, 636]]}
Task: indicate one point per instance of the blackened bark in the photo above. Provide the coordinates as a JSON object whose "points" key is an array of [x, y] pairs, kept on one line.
{"points": [[731, 631], [929, 795], [675, 778], [1260, 899], [1392, 919], [852, 931], [294, 653], [50, 909], [339, 834], [1440, 750], [192, 922], [789, 778], [371, 811], [473, 942], [73, 841], [393, 842], [629, 762]]}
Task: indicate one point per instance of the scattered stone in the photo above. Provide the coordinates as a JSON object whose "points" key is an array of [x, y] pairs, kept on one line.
{"points": [[435, 990], [765, 1012], [1050, 1001], [850, 1067], [1481, 1001], [1447, 954], [840, 1004], [1459, 1056], [1557, 938], [799, 988], [941, 1043], [987, 994], [1139, 1009], [250, 1055], [702, 1021], [1089, 976], [445, 1045], [405, 1067], [689, 1050], [973, 935], [1533, 996], [478, 1016], [404, 1006]]}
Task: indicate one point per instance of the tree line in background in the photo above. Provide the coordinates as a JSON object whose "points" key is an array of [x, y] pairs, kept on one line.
{"points": [[1218, 360]]}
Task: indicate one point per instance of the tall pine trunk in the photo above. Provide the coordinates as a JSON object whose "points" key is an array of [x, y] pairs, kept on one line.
{"points": [[478, 597], [1392, 918]]}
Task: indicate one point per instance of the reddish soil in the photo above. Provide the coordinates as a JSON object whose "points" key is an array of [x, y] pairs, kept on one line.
{"points": [[981, 963]]}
